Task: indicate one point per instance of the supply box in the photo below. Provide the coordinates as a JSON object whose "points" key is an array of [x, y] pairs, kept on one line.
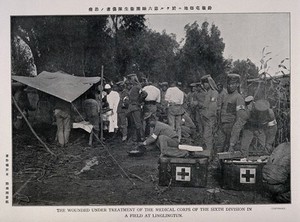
{"points": [[242, 175], [185, 172]]}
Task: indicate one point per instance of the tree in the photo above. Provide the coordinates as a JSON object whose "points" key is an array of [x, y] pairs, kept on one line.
{"points": [[154, 53], [246, 69], [202, 52], [125, 30], [68, 43]]}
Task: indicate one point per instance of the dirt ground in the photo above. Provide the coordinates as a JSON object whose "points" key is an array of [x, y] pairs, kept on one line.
{"points": [[42, 179]]}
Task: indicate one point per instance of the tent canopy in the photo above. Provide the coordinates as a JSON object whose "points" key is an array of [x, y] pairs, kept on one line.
{"points": [[62, 85]]}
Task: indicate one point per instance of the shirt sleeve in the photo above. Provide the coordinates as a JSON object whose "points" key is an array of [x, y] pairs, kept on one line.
{"points": [[151, 139], [167, 95], [159, 96]]}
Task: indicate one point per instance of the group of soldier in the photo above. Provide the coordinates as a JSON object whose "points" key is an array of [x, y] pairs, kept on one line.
{"points": [[145, 112]]}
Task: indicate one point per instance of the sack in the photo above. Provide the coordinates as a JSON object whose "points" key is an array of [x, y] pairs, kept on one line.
{"points": [[276, 172]]}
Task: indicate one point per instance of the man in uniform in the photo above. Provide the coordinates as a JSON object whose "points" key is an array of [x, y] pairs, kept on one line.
{"points": [[189, 101], [164, 104], [260, 122], [134, 108], [123, 109], [150, 104], [166, 139], [209, 111], [174, 97], [62, 113], [92, 109], [198, 101], [232, 109]]}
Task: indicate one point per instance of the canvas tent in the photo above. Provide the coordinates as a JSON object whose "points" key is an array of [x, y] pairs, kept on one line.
{"points": [[59, 84]]}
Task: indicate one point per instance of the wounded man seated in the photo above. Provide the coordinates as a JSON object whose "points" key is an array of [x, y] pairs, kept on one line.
{"points": [[166, 139]]}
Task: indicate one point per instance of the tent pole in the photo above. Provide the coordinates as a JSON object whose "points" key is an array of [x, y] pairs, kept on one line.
{"points": [[101, 91]]}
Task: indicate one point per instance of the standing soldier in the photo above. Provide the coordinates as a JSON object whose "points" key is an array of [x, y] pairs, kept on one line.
{"points": [[189, 99], [174, 97], [150, 104], [164, 104], [198, 101], [123, 109], [209, 111], [134, 108], [232, 109], [92, 109], [62, 113]]}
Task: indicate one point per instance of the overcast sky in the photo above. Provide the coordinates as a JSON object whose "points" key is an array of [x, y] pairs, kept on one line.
{"points": [[244, 35]]}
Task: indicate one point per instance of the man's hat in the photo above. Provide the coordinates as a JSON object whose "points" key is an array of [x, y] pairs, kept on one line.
{"points": [[120, 83], [205, 78], [193, 84], [132, 75], [261, 105], [249, 99], [147, 115], [233, 78], [164, 83], [107, 86], [261, 110]]}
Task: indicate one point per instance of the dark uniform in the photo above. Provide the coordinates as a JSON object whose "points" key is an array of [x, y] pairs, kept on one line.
{"points": [[123, 109], [190, 107], [134, 108], [163, 107], [198, 101], [166, 139], [259, 122]]}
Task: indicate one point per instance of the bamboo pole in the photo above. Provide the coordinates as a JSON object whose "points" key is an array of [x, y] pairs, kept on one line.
{"points": [[101, 91], [30, 127]]}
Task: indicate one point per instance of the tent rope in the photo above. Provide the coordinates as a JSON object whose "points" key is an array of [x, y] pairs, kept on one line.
{"points": [[105, 147]]}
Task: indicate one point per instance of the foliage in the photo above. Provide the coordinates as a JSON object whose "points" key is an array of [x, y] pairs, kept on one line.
{"points": [[275, 89], [246, 69], [202, 52]]}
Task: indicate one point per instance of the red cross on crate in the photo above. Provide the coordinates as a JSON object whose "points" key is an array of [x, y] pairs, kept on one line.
{"points": [[247, 175], [183, 173]]}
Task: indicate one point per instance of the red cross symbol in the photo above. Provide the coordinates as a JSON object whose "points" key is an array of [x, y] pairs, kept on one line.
{"points": [[247, 175], [183, 173]]}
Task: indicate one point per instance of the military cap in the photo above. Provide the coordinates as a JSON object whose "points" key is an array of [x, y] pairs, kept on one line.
{"points": [[248, 99], [205, 78], [261, 105], [131, 75], [193, 84], [107, 86], [120, 83], [164, 83], [179, 83], [147, 115], [233, 77]]}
